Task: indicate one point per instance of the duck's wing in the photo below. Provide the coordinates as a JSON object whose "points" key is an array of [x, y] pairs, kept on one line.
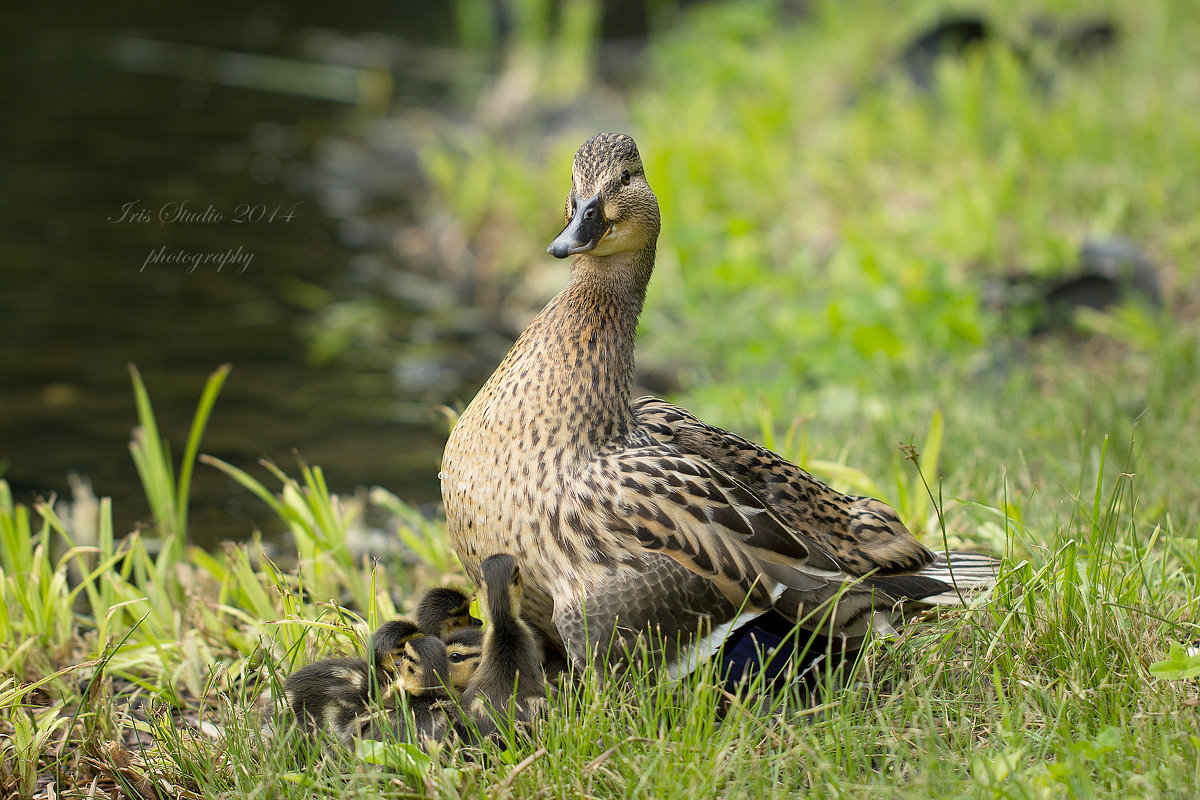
{"points": [[686, 547], [863, 534]]}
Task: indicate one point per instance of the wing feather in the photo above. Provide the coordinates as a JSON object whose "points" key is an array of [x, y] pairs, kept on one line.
{"points": [[863, 534], [687, 508], [692, 537]]}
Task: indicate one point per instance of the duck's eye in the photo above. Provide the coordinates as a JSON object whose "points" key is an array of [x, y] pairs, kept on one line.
{"points": [[455, 657], [589, 214], [625, 178]]}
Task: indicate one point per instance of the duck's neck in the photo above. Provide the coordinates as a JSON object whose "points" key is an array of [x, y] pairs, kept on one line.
{"points": [[599, 307], [620, 280], [576, 358]]}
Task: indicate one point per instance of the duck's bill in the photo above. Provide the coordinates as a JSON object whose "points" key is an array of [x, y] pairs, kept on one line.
{"points": [[583, 232]]}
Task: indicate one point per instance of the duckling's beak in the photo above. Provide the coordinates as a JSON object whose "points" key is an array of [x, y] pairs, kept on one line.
{"points": [[584, 231]]}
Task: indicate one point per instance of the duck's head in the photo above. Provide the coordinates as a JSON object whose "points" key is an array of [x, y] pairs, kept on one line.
{"points": [[388, 643], [502, 587], [443, 610], [611, 208], [464, 651], [423, 668]]}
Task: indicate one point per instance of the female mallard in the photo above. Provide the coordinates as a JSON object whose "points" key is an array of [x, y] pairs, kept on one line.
{"points": [[634, 517]]}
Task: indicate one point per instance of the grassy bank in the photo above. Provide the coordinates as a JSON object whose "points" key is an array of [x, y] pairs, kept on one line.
{"points": [[830, 230]]}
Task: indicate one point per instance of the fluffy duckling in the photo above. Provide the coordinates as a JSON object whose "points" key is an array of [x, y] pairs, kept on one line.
{"points": [[390, 647], [333, 694], [464, 651], [635, 521], [508, 683], [422, 706], [443, 610], [337, 693]]}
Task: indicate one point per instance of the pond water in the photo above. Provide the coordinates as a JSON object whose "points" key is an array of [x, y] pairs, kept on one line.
{"points": [[121, 174]]}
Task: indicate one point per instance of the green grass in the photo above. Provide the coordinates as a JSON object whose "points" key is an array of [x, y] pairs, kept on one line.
{"points": [[840, 229]]}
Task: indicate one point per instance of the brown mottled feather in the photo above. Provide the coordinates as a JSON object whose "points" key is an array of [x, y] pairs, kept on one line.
{"points": [[864, 534]]}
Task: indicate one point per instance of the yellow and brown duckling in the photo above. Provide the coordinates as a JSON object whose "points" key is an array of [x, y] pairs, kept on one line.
{"points": [[464, 652], [337, 694], [443, 610], [421, 708], [508, 683], [390, 647], [654, 522]]}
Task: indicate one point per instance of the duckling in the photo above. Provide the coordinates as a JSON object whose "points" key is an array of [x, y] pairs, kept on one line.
{"points": [[640, 528], [464, 651], [443, 610], [390, 647], [423, 680], [509, 682], [337, 693], [332, 694]]}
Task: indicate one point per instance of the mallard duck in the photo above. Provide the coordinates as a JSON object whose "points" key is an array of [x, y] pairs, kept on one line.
{"points": [[388, 645], [333, 694], [443, 610], [337, 693], [509, 682], [638, 527], [422, 708], [464, 651]]}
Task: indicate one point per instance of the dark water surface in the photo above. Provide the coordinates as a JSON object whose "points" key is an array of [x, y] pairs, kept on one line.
{"points": [[102, 168]]}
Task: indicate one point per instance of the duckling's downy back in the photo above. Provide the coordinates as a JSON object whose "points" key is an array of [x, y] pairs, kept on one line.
{"points": [[509, 682]]}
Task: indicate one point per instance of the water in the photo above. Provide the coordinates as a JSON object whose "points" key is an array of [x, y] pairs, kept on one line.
{"points": [[104, 168]]}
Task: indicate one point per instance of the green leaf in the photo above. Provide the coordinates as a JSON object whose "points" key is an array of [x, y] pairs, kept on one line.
{"points": [[407, 759], [1178, 665], [212, 388]]}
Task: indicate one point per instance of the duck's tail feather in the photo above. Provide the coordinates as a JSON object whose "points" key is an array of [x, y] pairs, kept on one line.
{"points": [[962, 574], [807, 609], [907, 587]]}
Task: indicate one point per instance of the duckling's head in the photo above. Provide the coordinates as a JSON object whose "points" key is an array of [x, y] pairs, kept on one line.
{"points": [[502, 587], [464, 651], [388, 641], [423, 667], [611, 208], [443, 610]]}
